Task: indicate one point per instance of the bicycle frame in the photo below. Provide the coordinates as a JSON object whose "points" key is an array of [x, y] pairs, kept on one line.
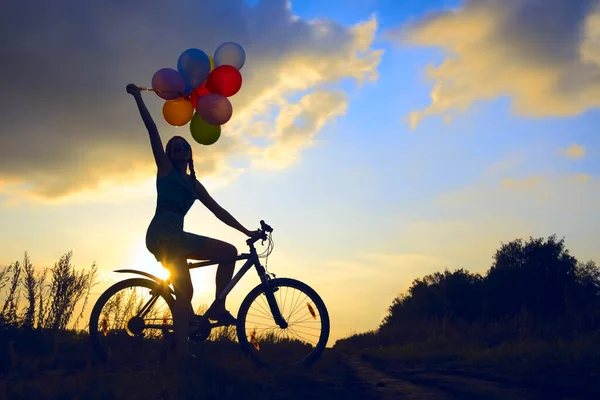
{"points": [[251, 258]]}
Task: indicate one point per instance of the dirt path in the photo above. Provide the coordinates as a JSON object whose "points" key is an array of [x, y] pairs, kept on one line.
{"points": [[400, 383], [379, 385]]}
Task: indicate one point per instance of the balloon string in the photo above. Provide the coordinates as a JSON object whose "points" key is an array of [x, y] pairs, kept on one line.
{"points": [[158, 90]]}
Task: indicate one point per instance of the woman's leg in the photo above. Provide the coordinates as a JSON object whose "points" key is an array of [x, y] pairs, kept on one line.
{"points": [[205, 248], [184, 290]]}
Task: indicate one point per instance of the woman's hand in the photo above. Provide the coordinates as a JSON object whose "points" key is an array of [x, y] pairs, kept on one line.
{"points": [[253, 234], [133, 90]]}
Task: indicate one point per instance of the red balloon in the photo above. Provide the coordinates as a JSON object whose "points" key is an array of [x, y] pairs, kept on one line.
{"points": [[198, 92], [225, 80], [201, 90]]}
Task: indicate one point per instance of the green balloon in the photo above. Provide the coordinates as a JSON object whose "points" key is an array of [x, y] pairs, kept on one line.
{"points": [[203, 132]]}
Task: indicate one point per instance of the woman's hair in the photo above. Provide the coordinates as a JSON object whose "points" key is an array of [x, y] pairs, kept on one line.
{"points": [[191, 160]]}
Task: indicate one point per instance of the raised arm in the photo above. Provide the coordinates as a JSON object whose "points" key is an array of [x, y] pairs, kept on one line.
{"points": [[162, 161]]}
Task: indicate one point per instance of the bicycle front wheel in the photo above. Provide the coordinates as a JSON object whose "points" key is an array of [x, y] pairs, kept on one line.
{"points": [[301, 343], [130, 321]]}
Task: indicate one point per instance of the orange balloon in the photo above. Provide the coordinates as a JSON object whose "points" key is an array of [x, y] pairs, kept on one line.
{"points": [[178, 112]]}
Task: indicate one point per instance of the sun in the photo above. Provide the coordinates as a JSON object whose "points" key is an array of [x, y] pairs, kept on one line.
{"points": [[143, 260]]}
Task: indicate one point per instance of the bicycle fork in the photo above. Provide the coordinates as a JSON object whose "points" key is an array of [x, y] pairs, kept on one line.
{"points": [[270, 294]]}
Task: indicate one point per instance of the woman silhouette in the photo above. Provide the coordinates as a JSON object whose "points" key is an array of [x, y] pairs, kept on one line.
{"points": [[165, 238]]}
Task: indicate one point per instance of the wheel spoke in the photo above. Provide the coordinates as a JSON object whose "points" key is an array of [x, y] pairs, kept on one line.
{"points": [[262, 311], [260, 316], [301, 338], [293, 307], [298, 309]]}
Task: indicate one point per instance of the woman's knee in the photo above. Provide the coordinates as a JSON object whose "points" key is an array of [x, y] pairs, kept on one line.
{"points": [[230, 251], [224, 251]]}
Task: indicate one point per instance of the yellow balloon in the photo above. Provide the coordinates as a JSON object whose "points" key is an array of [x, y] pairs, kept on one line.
{"points": [[212, 62], [178, 112]]}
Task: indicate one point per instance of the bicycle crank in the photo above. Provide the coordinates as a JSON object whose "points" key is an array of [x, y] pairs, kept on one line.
{"points": [[200, 328]]}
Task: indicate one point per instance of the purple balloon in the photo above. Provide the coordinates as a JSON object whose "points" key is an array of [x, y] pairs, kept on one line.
{"points": [[168, 84], [214, 108]]}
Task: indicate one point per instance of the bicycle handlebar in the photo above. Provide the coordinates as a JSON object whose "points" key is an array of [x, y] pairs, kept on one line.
{"points": [[264, 229]]}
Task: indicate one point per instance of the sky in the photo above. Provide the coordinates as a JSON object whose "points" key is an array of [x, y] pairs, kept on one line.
{"points": [[382, 140]]}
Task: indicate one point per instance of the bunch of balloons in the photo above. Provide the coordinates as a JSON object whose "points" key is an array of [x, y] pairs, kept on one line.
{"points": [[198, 90]]}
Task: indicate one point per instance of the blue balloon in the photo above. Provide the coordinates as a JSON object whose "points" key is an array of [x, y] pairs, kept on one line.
{"points": [[194, 67], [188, 90], [230, 53]]}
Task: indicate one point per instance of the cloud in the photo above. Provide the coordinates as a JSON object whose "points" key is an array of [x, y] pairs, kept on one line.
{"points": [[518, 194], [468, 223], [68, 125], [471, 223], [297, 124], [580, 178], [460, 240], [575, 151], [544, 55], [524, 183]]}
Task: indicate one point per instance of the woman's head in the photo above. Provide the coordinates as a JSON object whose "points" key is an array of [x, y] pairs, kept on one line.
{"points": [[178, 149], [179, 152]]}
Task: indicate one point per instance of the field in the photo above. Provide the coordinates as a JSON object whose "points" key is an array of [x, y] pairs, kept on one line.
{"points": [[528, 329], [60, 365]]}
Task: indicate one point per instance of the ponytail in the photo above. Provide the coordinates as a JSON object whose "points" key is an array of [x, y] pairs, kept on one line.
{"points": [[192, 171]]}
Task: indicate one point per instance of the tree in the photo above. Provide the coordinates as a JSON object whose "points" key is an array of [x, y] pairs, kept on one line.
{"points": [[534, 287], [530, 276], [449, 295]]}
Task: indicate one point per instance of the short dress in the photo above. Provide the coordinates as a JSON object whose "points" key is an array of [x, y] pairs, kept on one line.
{"points": [[165, 237]]}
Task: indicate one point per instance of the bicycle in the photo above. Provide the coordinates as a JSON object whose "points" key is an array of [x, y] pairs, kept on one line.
{"points": [[132, 326]]}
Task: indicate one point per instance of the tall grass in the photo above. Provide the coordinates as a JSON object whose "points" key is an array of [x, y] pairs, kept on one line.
{"points": [[48, 304]]}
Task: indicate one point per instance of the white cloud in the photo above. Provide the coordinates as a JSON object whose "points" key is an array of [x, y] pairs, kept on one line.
{"points": [[544, 55], [297, 125]]}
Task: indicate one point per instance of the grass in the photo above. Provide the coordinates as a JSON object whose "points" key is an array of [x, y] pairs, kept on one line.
{"points": [[60, 365], [42, 364], [559, 363], [41, 358]]}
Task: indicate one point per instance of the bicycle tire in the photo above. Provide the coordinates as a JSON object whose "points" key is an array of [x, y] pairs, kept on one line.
{"points": [[246, 346], [97, 346]]}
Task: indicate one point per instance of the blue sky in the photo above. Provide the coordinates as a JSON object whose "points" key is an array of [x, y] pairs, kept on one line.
{"points": [[370, 204]]}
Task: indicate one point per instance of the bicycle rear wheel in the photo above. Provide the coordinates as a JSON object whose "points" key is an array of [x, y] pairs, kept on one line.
{"points": [[130, 321], [301, 343]]}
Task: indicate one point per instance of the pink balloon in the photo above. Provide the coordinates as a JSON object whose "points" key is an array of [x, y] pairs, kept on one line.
{"points": [[214, 108], [168, 84]]}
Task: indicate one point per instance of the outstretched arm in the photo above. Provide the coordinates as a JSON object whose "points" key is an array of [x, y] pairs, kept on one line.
{"points": [[162, 161], [217, 210]]}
